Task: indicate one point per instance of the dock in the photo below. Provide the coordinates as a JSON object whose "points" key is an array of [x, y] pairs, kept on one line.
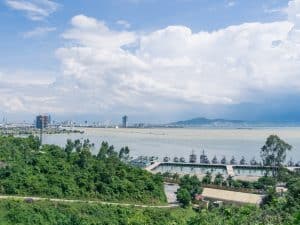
{"points": [[153, 166], [230, 171]]}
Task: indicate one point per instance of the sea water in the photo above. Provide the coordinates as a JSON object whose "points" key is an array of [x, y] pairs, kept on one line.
{"points": [[181, 142]]}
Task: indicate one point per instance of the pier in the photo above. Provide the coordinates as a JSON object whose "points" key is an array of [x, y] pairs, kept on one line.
{"points": [[153, 166], [247, 172], [230, 171]]}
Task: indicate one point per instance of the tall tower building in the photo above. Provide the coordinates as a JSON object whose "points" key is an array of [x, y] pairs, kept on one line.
{"points": [[41, 121], [124, 121]]}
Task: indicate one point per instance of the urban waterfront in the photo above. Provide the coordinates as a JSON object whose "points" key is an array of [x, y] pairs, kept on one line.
{"points": [[181, 141]]}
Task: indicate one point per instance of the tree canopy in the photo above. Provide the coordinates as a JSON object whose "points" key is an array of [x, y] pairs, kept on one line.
{"points": [[73, 172], [273, 153]]}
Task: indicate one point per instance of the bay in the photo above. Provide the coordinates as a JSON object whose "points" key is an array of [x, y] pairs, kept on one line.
{"points": [[179, 142]]}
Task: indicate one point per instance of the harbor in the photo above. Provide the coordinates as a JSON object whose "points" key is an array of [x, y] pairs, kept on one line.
{"points": [[241, 170]]}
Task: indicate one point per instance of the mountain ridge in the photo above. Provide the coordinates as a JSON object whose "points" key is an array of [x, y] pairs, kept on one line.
{"points": [[201, 121]]}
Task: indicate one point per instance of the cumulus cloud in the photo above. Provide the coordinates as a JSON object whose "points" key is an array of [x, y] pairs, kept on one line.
{"points": [[166, 70], [34, 9], [227, 66]]}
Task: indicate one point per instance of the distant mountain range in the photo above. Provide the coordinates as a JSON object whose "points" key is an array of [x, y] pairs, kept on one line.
{"points": [[202, 121]]}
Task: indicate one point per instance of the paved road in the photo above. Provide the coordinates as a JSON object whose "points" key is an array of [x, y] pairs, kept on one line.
{"points": [[87, 201], [170, 191]]}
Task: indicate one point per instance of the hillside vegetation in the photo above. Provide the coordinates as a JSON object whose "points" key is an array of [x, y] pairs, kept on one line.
{"points": [[73, 172]]}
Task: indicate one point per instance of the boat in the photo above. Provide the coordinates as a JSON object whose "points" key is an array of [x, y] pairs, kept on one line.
{"points": [[153, 158], [182, 159], [214, 160], [223, 160], [243, 161], [193, 157], [166, 159], [290, 162], [203, 158], [253, 162], [232, 161]]}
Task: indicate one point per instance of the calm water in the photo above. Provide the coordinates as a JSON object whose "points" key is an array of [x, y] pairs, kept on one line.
{"points": [[180, 142], [191, 170]]}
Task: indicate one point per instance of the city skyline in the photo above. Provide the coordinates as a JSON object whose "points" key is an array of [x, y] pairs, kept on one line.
{"points": [[177, 60]]}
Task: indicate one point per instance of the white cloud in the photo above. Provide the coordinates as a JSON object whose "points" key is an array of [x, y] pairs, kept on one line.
{"points": [[105, 70], [38, 32], [124, 24], [231, 3], [227, 66], [27, 91], [34, 9]]}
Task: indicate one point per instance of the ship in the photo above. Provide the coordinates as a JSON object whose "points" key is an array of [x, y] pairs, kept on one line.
{"points": [[232, 161], [203, 158], [193, 157], [166, 159], [182, 159], [243, 161], [223, 160], [176, 159], [153, 158], [253, 162], [214, 160]]}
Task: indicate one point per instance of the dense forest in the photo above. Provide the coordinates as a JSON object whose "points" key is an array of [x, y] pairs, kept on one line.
{"points": [[73, 172], [50, 213]]}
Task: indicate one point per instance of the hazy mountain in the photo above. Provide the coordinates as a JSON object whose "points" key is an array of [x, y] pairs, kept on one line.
{"points": [[202, 121]]}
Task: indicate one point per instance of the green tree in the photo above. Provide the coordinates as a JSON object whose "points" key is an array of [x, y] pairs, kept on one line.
{"points": [[189, 187], [219, 179], [184, 197], [273, 153], [293, 186], [124, 153], [106, 151], [175, 177], [207, 178], [192, 184], [69, 147], [230, 181]]}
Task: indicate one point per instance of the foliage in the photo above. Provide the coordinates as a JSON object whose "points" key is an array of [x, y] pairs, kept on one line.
{"points": [[207, 179], [73, 172], [170, 177], [184, 197], [50, 213], [219, 179], [273, 153], [192, 184], [189, 187], [124, 153]]}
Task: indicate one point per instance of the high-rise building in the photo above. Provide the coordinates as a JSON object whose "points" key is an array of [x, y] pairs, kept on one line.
{"points": [[124, 121], [42, 121]]}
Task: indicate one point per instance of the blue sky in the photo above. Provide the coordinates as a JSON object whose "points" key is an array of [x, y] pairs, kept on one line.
{"points": [[143, 15], [154, 60]]}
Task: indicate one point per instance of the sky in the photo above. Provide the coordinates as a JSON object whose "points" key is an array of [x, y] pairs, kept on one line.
{"points": [[153, 60]]}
